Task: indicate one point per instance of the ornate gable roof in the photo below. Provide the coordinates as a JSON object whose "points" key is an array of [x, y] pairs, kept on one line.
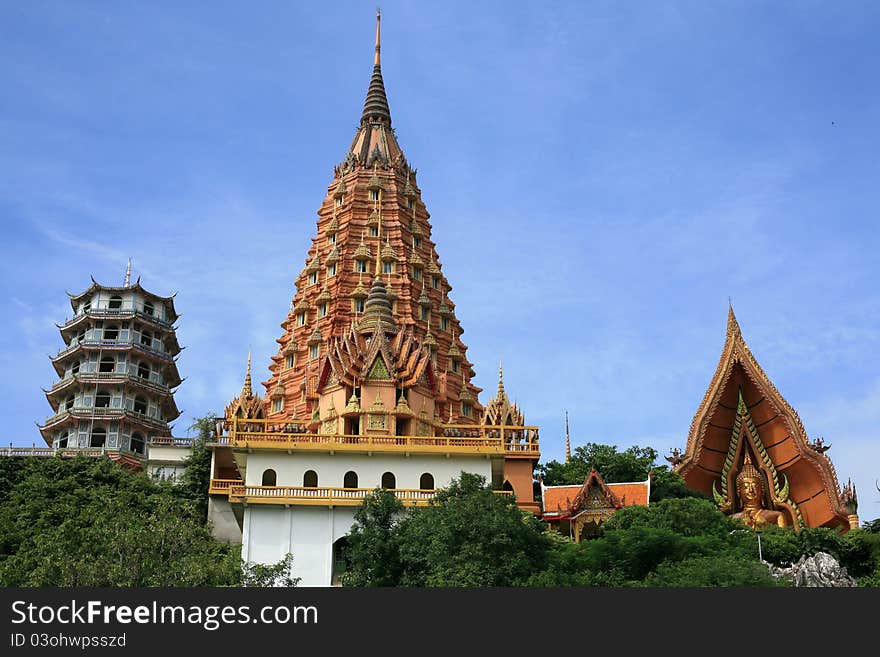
{"points": [[741, 395]]}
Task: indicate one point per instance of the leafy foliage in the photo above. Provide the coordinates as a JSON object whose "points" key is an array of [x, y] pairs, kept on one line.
{"points": [[91, 522], [278, 574], [197, 468], [712, 570], [633, 464], [468, 536], [373, 557]]}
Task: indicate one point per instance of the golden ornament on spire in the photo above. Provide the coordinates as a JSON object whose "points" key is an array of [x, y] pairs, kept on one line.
{"points": [[567, 440]]}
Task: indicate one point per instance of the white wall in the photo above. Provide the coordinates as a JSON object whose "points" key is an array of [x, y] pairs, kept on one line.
{"points": [[331, 470], [308, 532]]}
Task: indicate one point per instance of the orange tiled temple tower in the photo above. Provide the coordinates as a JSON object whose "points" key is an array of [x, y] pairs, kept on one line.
{"points": [[745, 427], [372, 271], [371, 361]]}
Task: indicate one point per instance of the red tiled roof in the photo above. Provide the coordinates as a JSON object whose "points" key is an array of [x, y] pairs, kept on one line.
{"points": [[558, 499]]}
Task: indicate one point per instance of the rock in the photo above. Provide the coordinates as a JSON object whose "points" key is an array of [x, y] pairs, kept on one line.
{"points": [[819, 570]]}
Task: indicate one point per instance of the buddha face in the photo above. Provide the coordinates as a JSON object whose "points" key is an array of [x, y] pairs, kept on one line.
{"points": [[750, 490]]}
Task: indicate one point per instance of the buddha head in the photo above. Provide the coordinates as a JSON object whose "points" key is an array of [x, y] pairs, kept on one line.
{"points": [[749, 484]]}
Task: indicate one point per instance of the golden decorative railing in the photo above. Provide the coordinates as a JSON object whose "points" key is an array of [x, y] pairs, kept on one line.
{"points": [[222, 486], [462, 439], [323, 496]]}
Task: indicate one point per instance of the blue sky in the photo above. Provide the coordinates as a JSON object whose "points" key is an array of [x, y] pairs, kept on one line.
{"points": [[601, 177]]}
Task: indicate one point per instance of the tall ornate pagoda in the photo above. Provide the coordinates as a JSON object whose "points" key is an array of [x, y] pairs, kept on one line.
{"points": [[748, 449], [371, 384], [117, 373]]}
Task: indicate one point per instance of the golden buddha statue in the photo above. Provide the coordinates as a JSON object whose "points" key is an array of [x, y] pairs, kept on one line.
{"points": [[750, 489]]}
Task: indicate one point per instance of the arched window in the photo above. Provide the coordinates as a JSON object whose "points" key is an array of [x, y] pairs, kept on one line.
{"points": [[61, 440], [426, 481], [102, 399], [99, 437], [108, 364], [350, 480], [270, 478], [507, 486], [147, 339], [87, 306], [115, 302], [68, 403], [74, 368], [140, 405], [310, 479], [137, 443], [111, 332], [388, 480], [143, 370], [148, 308]]}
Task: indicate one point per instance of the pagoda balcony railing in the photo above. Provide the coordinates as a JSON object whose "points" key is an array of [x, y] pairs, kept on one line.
{"points": [[103, 413], [92, 377], [69, 452], [222, 486], [461, 439], [110, 344], [113, 313], [170, 441], [321, 496]]}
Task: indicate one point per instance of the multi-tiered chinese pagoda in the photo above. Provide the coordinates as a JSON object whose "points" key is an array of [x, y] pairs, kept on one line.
{"points": [[371, 384], [116, 373]]}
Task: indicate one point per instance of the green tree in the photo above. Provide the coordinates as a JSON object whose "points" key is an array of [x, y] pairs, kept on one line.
{"points": [[471, 536], [633, 464], [712, 570], [197, 468], [666, 484], [373, 557], [91, 522], [277, 574], [684, 516], [468, 536]]}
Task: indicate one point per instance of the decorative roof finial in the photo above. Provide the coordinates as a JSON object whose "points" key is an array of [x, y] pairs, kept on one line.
{"points": [[246, 390], [128, 275], [376, 103], [501, 394], [378, 40], [567, 440], [732, 324]]}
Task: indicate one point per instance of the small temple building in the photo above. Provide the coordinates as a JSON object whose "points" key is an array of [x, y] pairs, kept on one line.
{"points": [[116, 378], [748, 449], [577, 511], [371, 385]]}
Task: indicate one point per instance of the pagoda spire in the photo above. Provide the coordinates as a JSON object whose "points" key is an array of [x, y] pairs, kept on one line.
{"points": [[246, 390], [127, 282], [500, 394], [376, 61], [376, 104], [567, 440]]}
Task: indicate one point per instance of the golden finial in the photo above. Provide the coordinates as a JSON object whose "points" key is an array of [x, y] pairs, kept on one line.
{"points": [[500, 394], [378, 22], [732, 324], [567, 440], [246, 390]]}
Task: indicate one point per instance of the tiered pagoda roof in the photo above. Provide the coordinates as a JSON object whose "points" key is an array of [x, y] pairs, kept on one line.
{"points": [[372, 284], [117, 371]]}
